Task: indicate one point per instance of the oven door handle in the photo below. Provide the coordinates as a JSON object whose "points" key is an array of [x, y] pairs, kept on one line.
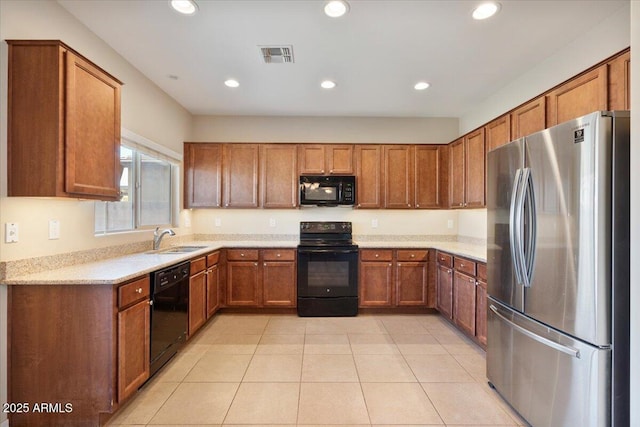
{"points": [[327, 251]]}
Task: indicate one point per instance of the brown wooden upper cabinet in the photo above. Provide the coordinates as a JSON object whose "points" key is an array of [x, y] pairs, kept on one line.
{"points": [[579, 96], [325, 159], [498, 132], [202, 175], [240, 182], [63, 123], [278, 176], [399, 176], [529, 118], [619, 82], [427, 173], [468, 171], [369, 176]]}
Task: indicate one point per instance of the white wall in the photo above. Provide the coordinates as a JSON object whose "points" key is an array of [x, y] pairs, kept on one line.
{"points": [[635, 213], [324, 129], [600, 42]]}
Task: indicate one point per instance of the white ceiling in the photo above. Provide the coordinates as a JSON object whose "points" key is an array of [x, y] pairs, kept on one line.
{"points": [[375, 53]]}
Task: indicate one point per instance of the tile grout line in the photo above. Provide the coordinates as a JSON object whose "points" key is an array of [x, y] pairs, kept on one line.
{"points": [[226, 414]]}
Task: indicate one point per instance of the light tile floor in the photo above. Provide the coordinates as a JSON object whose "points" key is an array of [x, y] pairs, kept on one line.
{"points": [[287, 370]]}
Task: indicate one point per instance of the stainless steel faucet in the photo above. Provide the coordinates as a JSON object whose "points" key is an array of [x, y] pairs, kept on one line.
{"points": [[157, 237]]}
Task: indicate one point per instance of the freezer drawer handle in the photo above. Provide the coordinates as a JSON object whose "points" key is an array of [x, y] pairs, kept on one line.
{"points": [[542, 340]]}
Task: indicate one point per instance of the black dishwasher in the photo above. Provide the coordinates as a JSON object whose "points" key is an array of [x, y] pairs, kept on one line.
{"points": [[169, 313]]}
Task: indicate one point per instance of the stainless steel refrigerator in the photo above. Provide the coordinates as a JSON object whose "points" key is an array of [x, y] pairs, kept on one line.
{"points": [[558, 272]]}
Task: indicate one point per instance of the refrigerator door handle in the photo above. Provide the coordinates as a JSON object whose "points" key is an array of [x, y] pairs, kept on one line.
{"points": [[514, 221], [528, 245], [542, 340]]}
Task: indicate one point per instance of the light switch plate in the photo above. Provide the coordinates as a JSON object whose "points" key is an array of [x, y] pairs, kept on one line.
{"points": [[10, 232]]}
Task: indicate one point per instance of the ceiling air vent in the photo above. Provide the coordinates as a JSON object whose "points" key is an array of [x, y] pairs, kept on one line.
{"points": [[277, 54]]}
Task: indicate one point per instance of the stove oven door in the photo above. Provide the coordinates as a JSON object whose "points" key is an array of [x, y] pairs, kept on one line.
{"points": [[327, 272]]}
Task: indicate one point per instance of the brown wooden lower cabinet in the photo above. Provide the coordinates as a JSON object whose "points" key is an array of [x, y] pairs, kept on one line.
{"points": [[462, 294], [213, 290], [83, 346], [392, 278], [261, 278], [445, 291]]}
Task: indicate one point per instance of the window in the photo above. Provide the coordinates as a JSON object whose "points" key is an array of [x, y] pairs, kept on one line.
{"points": [[146, 192]]}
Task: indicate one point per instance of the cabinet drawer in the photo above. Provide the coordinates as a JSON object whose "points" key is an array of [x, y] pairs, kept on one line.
{"points": [[197, 265], [212, 259], [133, 292], [464, 265], [242, 254], [412, 255], [445, 259], [482, 271], [376, 254], [279, 254]]}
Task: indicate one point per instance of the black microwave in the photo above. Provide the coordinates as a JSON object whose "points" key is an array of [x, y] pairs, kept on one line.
{"points": [[327, 190]]}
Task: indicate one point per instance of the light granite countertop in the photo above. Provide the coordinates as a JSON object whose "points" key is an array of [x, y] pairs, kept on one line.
{"points": [[121, 269]]}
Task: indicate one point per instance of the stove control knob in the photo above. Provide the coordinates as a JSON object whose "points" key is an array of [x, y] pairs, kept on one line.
{"points": [[328, 290]]}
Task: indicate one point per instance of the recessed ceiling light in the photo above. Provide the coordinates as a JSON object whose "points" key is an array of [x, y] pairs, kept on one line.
{"points": [[328, 84], [421, 86], [232, 83], [336, 8], [186, 7], [485, 10]]}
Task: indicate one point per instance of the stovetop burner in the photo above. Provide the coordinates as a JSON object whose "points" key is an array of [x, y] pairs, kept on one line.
{"points": [[325, 233]]}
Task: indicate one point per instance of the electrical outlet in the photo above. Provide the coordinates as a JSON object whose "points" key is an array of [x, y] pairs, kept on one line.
{"points": [[374, 223], [217, 222], [54, 229], [449, 223], [10, 232], [272, 222]]}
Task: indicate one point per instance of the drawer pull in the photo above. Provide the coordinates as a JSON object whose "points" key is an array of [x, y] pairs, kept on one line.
{"points": [[278, 255], [461, 265], [241, 254], [139, 291], [377, 255], [413, 255]]}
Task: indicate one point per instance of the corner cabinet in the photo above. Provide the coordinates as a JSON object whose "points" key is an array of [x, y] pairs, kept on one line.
{"points": [[462, 294], [63, 123]]}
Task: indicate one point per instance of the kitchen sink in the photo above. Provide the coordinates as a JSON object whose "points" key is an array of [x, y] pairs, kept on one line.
{"points": [[177, 250]]}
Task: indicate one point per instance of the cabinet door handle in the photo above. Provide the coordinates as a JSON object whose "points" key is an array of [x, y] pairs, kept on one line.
{"points": [[399, 265], [389, 264], [322, 171], [331, 171], [265, 264], [255, 263], [417, 205], [471, 281], [448, 271], [461, 265]]}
